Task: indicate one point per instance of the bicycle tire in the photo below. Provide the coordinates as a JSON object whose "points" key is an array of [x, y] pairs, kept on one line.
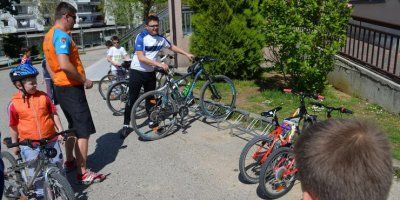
{"points": [[244, 167], [117, 96], [162, 113], [217, 108], [268, 176], [10, 177], [57, 185], [104, 84]]}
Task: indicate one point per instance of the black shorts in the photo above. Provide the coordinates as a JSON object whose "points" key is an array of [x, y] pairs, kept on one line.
{"points": [[72, 100]]}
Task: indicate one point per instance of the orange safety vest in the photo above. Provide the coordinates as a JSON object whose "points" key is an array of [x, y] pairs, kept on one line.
{"points": [[35, 120], [60, 78]]}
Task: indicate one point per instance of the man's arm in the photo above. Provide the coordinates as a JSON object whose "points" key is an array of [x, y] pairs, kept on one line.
{"points": [[69, 69], [181, 51], [142, 58]]}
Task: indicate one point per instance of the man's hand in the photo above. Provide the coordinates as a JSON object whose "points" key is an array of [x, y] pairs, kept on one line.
{"points": [[190, 56], [16, 150], [164, 66], [88, 84]]}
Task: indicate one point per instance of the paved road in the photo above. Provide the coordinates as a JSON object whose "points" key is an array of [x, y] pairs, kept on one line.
{"points": [[199, 164]]}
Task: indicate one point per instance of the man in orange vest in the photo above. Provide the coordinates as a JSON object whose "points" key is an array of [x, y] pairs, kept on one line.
{"points": [[70, 81]]}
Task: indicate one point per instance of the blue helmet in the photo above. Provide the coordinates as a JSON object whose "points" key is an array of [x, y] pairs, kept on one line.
{"points": [[23, 71]]}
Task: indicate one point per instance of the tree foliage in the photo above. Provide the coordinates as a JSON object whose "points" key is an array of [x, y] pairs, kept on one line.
{"points": [[304, 36], [7, 6], [12, 45], [230, 31], [125, 11], [47, 10]]}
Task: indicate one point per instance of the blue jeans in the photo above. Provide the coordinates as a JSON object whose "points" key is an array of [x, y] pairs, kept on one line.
{"points": [[29, 154]]}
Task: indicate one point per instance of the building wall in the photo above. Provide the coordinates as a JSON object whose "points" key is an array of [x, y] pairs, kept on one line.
{"points": [[355, 80]]}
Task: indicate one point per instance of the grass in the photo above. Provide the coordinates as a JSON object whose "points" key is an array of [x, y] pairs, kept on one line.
{"points": [[258, 96]]}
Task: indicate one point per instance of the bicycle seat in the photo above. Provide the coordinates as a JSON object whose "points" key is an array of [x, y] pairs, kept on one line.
{"points": [[271, 113]]}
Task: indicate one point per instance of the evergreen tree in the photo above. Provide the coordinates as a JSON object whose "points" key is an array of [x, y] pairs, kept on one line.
{"points": [[230, 31]]}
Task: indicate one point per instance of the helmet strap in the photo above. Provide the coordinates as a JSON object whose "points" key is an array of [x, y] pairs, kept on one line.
{"points": [[24, 93]]}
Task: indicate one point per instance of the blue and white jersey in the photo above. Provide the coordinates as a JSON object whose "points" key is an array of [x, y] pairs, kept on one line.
{"points": [[150, 45]]}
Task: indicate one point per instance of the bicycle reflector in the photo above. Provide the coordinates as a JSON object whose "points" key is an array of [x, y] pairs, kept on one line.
{"points": [[50, 152]]}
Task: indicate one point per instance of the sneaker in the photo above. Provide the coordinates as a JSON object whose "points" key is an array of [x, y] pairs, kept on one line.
{"points": [[70, 166], [125, 132], [90, 177]]}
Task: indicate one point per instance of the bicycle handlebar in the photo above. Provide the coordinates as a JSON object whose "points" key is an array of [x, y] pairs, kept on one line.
{"points": [[204, 59], [7, 141], [340, 109], [304, 94]]}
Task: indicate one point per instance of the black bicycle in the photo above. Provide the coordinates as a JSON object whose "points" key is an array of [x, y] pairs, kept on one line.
{"points": [[56, 186], [164, 105]]}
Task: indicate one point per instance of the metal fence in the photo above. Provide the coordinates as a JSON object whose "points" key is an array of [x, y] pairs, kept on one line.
{"points": [[374, 44]]}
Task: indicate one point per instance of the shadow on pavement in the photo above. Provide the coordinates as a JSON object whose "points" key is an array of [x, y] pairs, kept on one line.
{"points": [[107, 149]]}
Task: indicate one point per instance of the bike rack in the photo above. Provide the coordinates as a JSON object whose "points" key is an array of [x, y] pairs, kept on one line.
{"points": [[240, 120], [235, 119]]}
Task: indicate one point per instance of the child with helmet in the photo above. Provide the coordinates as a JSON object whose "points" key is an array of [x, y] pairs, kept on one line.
{"points": [[33, 116]]}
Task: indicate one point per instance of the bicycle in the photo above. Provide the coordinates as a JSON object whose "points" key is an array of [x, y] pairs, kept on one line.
{"points": [[166, 103], [55, 184], [109, 79], [118, 93], [278, 173], [257, 150]]}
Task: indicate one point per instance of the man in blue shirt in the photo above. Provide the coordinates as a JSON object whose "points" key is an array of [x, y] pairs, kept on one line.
{"points": [[147, 45]]}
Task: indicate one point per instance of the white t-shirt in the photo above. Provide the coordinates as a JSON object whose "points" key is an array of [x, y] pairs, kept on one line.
{"points": [[150, 45], [117, 55]]}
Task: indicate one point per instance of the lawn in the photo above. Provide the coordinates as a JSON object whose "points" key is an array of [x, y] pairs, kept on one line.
{"points": [[257, 96]]}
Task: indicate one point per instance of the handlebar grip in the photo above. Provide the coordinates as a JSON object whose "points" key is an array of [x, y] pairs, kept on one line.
{"points": [[287, 90], [345, 110], [24, 143]]}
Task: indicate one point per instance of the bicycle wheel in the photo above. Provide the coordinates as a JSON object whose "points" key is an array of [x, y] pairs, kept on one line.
{"points": [[218, 97], [105, 83], [57, 187], [160, 116], [11, 179], [278, 173], [117, 96], [250, 158]]}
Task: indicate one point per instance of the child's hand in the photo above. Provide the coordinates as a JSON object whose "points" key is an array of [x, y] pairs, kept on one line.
{"points": [[16, 150], [61, 140]]}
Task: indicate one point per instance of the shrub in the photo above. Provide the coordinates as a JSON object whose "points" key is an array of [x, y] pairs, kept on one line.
{"points": [[230, 31], [304, 36]]}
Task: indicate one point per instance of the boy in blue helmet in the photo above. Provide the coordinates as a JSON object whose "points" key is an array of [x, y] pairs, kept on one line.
{"points": [[32, 117]]}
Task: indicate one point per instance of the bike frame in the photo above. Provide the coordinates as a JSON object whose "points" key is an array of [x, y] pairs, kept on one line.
{"points": [[276, 134]]}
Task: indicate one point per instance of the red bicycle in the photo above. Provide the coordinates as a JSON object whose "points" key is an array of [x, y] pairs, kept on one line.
{"points": [[278, 173], [257, 150]]}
